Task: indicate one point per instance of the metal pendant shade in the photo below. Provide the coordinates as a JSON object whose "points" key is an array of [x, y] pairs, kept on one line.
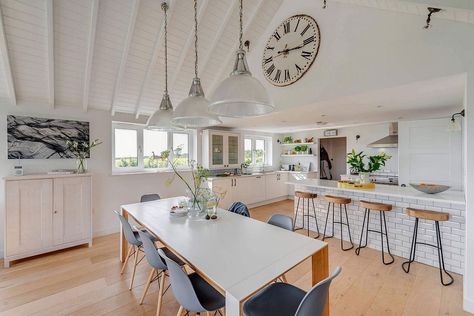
{"points": [[241, 95], [193, 111], [162, 118]]}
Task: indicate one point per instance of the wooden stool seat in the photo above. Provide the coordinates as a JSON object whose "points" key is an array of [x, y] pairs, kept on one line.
{"points": [[428, 215], [375, 206], [337, 199], [305, 195]]}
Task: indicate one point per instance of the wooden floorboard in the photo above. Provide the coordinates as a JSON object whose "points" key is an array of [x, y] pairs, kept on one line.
{"points": [[87, 281]]}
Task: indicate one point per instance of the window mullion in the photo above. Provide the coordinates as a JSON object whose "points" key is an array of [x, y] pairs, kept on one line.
{"points": [[140, 149]]}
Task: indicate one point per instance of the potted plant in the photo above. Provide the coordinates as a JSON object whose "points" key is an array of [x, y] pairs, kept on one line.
{"points": [[81, 151], [287, 140], [356, 161]]}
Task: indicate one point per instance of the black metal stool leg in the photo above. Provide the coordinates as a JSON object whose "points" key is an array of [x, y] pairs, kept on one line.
{"points": [[307, 216], [382, 214], [326, 223], [441, 258], [315, 218], [348, 228], [357, 251], [413, 248], [296, 214]]}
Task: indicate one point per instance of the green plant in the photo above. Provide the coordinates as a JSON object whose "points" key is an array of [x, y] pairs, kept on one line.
{"points": [[81, 150], [287, 140], [301, 148], [356, 161]]}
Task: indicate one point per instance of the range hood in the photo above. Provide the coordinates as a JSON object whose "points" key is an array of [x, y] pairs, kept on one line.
{"points": [[390, 141]]}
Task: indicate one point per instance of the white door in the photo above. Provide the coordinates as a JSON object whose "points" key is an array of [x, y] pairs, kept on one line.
{"points": [[223, 188], [28, 216], [72, 209], [428, 152]]}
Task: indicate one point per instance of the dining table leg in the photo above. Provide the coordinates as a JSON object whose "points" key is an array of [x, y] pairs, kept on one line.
{"points": [[320, 270], [123, 241], [233, 306]]}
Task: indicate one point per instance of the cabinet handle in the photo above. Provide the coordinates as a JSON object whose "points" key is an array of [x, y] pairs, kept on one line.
{"points": [[55, 212]]}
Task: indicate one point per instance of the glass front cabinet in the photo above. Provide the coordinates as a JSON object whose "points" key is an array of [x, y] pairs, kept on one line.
{"points": [[221, 149]]}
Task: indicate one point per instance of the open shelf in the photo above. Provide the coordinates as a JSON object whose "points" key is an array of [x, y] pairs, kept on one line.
{"points": [[296, 155], [296, 144]]}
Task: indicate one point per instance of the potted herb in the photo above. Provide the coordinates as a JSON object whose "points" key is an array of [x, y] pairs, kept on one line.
{"points": [[287, 140], [356, 161], [81, 151]]}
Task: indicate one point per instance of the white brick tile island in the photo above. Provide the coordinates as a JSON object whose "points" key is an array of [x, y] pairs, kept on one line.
{"points": [[399, 225]]}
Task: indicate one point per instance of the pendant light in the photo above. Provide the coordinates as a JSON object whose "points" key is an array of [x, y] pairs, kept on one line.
{"points": [[194, 110], [241, 95], [162, 118]]}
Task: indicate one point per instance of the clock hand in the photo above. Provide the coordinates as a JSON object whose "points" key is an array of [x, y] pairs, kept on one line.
{"points": [[285, 51]]}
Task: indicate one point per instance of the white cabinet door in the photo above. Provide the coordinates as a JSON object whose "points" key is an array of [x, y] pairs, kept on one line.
{"points": [[233, 151], [250, 190], [221, 150], [72, 209], [224, 187], [28, 219], [276, 185], [217, 147]]}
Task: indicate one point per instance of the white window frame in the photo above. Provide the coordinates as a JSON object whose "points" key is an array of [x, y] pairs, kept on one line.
{"points": [[140, 144], [268, 148]]}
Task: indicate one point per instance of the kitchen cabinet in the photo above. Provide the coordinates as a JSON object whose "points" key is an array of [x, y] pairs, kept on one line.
{"points": [[275, 185], [45, 213], [221, 149], [249, 189], [224, 187]]}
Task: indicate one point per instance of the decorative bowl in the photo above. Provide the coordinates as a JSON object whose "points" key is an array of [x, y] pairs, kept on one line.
{"points": [[430, 188]]}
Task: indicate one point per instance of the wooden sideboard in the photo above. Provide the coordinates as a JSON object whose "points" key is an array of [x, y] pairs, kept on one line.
{"points": [[45, 213]]}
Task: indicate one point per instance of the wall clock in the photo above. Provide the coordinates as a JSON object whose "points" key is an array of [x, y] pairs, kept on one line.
{"points": [[291, 50]]}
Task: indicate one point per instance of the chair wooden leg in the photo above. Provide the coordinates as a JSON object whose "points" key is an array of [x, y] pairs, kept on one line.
{"points": [[134, 267], [126, 259], [283, 277], [160, 295], [147, 286], [180, 311], [208, 314]]}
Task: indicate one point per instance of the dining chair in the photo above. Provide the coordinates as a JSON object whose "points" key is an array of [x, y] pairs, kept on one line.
{"points": [[239, 208], [191, 291], [282, 221], [149, 197], [284, 299], [158, 266], [135, 244]]}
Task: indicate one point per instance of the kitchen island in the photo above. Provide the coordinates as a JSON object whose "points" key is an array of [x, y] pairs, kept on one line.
{"points": [[400, 226]]}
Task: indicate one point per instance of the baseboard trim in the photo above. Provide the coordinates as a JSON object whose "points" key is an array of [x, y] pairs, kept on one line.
{"points": [[106, 231], [468, 305], [278, 199]]}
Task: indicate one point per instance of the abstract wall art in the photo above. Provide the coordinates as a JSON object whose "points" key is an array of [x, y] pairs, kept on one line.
{"points": [[43, 138]]}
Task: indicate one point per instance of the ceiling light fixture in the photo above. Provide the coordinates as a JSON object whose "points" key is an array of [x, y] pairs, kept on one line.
{"points": [[241, 95], [161, 119], [455, 126], [194, 110], [431, 10]]}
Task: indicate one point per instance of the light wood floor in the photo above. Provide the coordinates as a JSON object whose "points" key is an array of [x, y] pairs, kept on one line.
{"points": [[87, 281]]}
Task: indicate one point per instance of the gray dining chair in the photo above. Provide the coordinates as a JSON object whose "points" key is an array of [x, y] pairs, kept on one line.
{"points": [[285, 222], [282, 221], [149, 197], [284, 299], [158, 266], [191, 291], [135, 245]]}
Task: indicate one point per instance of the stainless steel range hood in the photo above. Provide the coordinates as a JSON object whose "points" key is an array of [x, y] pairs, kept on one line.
{"points": [[390, 141]]}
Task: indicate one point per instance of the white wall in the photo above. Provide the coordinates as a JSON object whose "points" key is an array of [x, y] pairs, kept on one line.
{"points": [[109, 192]]}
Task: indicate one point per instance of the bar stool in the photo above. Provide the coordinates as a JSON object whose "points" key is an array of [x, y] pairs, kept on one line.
{"points": [[341, 201], [306, 196], [382, 208], [430, 216]]}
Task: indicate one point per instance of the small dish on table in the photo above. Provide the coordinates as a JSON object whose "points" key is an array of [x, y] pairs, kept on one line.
{"points": [[178, 211]]}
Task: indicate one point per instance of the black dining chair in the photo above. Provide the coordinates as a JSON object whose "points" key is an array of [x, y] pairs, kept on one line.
{"points": [[284, 299], [149, 197], [239, 208]]}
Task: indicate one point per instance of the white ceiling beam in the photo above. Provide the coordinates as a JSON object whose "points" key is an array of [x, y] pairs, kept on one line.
{"points": [[153, 60], [50, 38], [189, 42], [232, 8], [6, 62], [231, 53], [126, 48], [90, 54]]}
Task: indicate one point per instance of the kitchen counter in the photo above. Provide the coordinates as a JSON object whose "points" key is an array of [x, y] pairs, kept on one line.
{"points": [[261, 174], [399, 224], [450, 196]]}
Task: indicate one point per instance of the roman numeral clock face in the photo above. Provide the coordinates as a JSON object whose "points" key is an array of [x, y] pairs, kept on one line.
{"points": [[291, 50]]}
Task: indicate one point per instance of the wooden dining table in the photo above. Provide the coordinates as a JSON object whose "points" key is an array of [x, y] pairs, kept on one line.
{"points": [[237, 255]]}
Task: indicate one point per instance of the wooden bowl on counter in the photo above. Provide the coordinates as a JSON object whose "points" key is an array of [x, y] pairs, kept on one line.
{"points": [[430, 188]]}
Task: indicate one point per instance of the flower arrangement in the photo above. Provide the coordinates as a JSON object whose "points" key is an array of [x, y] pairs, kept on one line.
{"points": [[81, 151], [356, 161]]}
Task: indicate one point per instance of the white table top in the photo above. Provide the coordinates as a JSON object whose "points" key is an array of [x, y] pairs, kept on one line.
{"points": [[238, 254], [450, 196]]}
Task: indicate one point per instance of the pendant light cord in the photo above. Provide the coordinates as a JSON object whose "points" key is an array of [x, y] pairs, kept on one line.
{"points": [[164, 6], [195, 40], [241, 35]]}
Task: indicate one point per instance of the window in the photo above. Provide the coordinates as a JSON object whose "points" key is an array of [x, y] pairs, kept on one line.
{"points": [[258, 150], [136, 148]]}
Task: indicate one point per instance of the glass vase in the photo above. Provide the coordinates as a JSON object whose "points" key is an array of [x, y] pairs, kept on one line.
{"points": [[364, 177], [81, 165]]}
